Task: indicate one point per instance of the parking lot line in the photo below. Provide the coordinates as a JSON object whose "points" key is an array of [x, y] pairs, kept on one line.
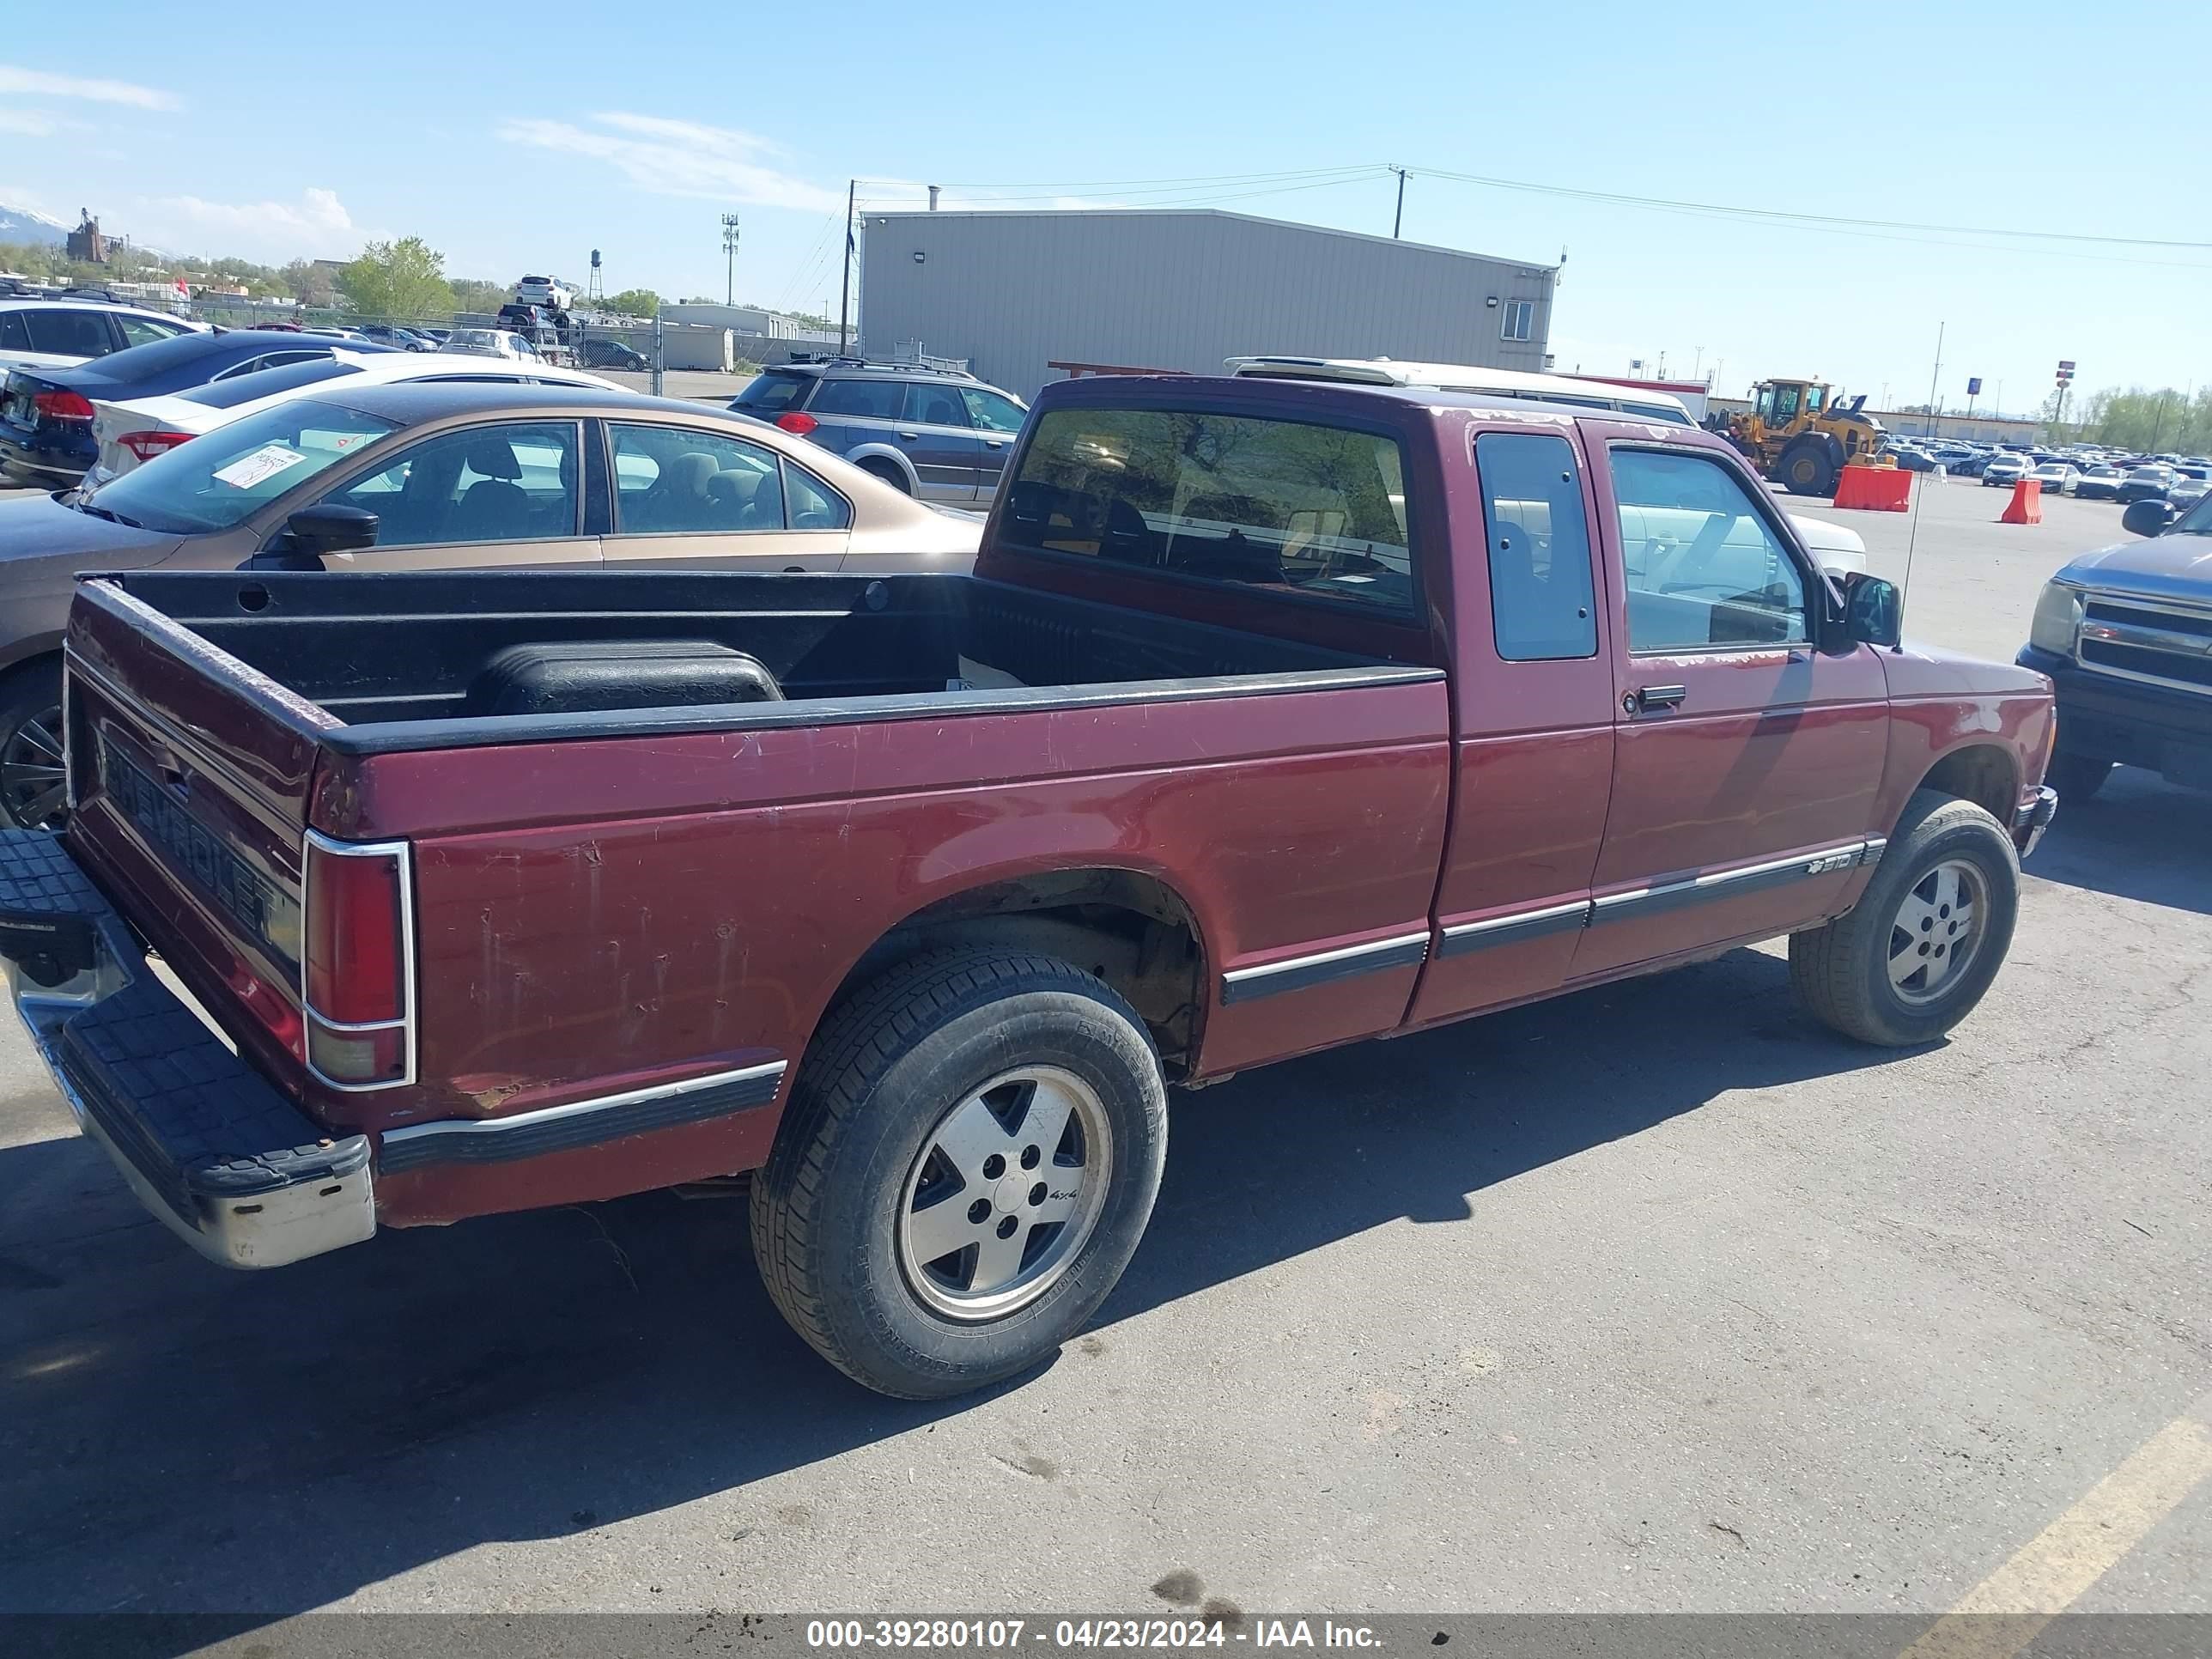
{"points": [[2006, 1611]]}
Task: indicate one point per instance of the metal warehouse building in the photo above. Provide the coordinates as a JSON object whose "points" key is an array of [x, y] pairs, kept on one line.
{"points": [[1016, 292]]}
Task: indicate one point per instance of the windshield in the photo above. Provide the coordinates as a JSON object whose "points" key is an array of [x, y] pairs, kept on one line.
{"points": [[266, 382], [219, 480]]}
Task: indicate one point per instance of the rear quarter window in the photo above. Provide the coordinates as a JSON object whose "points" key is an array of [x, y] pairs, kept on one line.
{"points": [[877, 400], [772, 393], [1286, 507]]}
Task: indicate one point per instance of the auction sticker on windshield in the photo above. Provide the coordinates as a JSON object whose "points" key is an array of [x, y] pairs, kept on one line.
{"points": [[265, 462]]}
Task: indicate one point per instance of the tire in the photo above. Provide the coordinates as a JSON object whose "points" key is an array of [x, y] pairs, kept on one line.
{"points": [[1806, 471], [1842, 971], [890, 474], [2076, 777], [31, 792], [900, 1068]]}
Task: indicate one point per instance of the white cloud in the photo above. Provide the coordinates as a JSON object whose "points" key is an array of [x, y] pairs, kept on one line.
{"points": [[680, 158], [39, 84], [315, 222], [32, 122]]}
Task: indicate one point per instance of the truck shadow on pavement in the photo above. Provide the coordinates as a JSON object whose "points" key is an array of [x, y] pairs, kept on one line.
{"points": [[175, 1438], [2141, 838]]}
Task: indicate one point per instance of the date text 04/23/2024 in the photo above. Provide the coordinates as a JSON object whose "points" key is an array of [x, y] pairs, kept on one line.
{"points": [[1084, 1634]]}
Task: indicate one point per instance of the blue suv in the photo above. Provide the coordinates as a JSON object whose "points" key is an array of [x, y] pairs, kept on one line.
{"points": [[938, 434]]}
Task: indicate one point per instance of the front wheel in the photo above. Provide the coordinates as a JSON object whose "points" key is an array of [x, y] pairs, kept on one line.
{"points": [[1805, 471], [966, 1164], [1919, 949]]}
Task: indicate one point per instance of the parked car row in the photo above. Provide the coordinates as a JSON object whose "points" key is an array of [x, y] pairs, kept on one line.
{"points": [[406, 461]]}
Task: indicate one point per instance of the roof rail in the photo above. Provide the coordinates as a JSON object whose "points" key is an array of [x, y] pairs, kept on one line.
{"points": [[836, 361]]}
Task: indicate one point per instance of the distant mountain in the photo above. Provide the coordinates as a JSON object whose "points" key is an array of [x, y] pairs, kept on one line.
{"points": [[21, 225]]}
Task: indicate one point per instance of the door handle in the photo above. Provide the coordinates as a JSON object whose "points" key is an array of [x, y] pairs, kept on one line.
{"points": [[1652, 698], [909, 436], [995, 443]]}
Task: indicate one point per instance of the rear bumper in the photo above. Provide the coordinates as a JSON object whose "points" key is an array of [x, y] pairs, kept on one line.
{"points": [[43, 461], [209, 1147]]}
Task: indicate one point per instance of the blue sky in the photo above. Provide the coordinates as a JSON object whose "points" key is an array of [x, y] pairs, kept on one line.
{"points": [[521, 148]]}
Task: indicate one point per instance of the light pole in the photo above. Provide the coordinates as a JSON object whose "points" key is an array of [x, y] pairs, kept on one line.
{"points": [[730, 258]]}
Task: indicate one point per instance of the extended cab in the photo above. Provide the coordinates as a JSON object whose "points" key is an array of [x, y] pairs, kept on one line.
{"points": [[1276, 715]]}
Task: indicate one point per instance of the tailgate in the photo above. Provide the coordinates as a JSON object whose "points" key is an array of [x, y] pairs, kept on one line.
{"points": [[190, 776]]}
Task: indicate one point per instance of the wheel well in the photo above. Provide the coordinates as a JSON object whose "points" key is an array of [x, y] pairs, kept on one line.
{"points": [[1131, 930], [1982, 774], [887, 468]]}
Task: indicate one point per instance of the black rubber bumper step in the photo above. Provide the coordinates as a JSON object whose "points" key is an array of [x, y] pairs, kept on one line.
{"points": [[194, 1120], [48, 911]]}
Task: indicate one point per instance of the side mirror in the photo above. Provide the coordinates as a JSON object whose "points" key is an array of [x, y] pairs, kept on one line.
{"points": [[2147, 517], [330, 527], [1874, 610]]}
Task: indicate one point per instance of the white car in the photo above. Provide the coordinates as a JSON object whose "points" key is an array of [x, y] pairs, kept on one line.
{"points": [[1840, 549], [140, 429], [2057, 478], [492, 343], [62, 333], [548, 291]]}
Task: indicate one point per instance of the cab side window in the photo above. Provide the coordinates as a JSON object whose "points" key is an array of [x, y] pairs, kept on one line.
{"points": [[1703, 566], [1543, 606]]}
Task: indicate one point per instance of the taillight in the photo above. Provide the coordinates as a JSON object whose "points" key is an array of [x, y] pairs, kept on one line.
{"points": [[62, 405], [356, 970], [796, 422], [147, 445]]}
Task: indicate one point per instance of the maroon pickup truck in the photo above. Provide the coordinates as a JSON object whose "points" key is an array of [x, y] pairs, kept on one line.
{"points": [[1274, 715]]}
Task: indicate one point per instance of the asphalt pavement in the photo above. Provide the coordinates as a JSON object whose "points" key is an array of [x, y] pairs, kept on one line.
{"points": [[1655, 1298]]}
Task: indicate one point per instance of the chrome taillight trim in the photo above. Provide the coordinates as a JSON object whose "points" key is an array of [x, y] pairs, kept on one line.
{"points": [[403, 853]]}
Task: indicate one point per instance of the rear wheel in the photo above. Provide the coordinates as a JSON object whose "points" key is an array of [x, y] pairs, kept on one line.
{"points": [[1920, 947], [966, 1166], [890, 474], [1805, 470], [2076, 777], [32, 796]]}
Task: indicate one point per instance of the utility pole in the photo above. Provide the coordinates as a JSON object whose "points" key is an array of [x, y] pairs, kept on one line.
{"points": [[1933, 379], [729, 258], [845, 286], [2158, 427], [1399, 218]]}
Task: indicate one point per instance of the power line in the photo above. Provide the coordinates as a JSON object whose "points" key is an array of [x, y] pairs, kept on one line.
{"points": [[1200, 185], [1619, 200]]}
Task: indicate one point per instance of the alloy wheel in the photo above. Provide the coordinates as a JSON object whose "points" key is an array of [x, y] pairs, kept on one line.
{"points": [[1004, 1193], [31, 776], [1937, 931]]}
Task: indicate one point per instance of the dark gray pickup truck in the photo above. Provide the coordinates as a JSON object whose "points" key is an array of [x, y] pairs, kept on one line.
{"points": [[2125, 635]]}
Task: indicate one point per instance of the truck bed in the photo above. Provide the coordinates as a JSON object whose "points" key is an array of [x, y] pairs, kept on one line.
{"points": [[406, 662]]}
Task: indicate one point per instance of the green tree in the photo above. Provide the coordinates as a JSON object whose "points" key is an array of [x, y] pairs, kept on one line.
{"points": [[306, 282], [633, 302], [398, 280], [476, 294]]}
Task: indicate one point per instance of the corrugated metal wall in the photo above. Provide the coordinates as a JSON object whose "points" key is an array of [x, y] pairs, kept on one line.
{"points": [[1013, 292]]}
